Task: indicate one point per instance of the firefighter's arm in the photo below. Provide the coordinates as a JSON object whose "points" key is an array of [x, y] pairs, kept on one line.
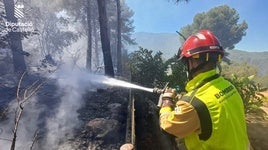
{"points": [[179, 120]]}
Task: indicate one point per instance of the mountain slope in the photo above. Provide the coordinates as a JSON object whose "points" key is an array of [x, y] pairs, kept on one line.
{"points": [[258, 59], [169, 43]]}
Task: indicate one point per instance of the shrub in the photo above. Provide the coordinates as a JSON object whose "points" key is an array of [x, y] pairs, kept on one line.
{"points": [[249, 91]]}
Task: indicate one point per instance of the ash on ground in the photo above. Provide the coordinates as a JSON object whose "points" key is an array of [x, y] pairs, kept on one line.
{"points": [[104, 121], [101, 120]]}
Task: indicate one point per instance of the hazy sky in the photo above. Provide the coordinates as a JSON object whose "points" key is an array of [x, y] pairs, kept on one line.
{"points": [[163, 16]]}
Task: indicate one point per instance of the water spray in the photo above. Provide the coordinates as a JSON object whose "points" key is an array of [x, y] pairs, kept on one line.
{"points": [[121, 83], [116, 82]]}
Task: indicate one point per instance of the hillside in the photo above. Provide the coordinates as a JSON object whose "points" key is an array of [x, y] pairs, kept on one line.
{"points": [[169, 43], [258, 59]]}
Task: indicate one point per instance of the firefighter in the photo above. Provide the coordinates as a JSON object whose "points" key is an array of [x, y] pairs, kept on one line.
{"points": [[211, 114]]}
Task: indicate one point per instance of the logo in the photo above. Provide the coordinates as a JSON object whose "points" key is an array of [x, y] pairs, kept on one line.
{"points": [[214, 47], [177, 110], [224, 92], [20, 26], [18, 11]]}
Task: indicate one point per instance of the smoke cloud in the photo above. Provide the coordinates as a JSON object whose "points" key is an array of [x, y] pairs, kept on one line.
{"points": [[72, 86], [27, 127], [63, 119]]}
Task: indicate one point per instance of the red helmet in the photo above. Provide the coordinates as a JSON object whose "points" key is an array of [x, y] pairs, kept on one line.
{"points": [[202, 42]]}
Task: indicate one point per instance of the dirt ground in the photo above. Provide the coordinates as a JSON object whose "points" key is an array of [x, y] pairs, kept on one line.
{"points": [[257, 124]]}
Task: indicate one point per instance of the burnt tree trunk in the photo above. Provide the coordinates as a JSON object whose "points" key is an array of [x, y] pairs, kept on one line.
{"points": [[15, 38], [96, 43], [105, 41], [119, 43], [89, 37]]}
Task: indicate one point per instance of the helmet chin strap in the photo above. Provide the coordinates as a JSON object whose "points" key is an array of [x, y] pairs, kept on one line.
{"points": [[187, 75], [218, 66]]}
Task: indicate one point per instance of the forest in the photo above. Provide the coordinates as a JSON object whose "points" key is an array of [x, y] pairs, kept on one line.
{"points": [[50, 34]]}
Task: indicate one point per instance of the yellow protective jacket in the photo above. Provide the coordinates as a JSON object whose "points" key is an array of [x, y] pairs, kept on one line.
{"points": [[209, 117]]}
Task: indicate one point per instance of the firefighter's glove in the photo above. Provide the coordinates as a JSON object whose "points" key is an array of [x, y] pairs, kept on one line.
{"points": [[168, 98]]}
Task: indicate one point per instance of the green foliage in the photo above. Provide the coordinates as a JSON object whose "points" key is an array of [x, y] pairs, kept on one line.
{"points": [[146, 69], [152, 71], [176, 75], [221, 20], [244, 81], [249, 91]]}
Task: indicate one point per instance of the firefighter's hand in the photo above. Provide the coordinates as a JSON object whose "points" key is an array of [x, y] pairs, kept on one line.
{"points": [[170, 94], [180, 95], [168, 97]]}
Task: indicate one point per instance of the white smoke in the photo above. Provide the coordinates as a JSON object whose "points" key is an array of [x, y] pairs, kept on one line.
{"points": [[27, 125], [72, 84]]}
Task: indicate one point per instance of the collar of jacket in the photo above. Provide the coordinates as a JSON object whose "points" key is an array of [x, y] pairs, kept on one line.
{"points": [[192, 84]]}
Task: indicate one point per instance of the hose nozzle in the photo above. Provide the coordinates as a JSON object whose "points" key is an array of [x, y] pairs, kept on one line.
{"points": [[158, 90]]}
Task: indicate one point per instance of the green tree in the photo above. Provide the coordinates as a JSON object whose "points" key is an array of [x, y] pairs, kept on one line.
{"points": [[120, 28], [176, 73], [147, 69], [221, 20]]}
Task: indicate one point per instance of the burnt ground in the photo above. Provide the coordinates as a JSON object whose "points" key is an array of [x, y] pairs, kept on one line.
{"points": [[109, 108], [103, 117]]}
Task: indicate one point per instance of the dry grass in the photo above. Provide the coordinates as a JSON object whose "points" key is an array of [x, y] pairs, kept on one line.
{"points": [[257, 125]]}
